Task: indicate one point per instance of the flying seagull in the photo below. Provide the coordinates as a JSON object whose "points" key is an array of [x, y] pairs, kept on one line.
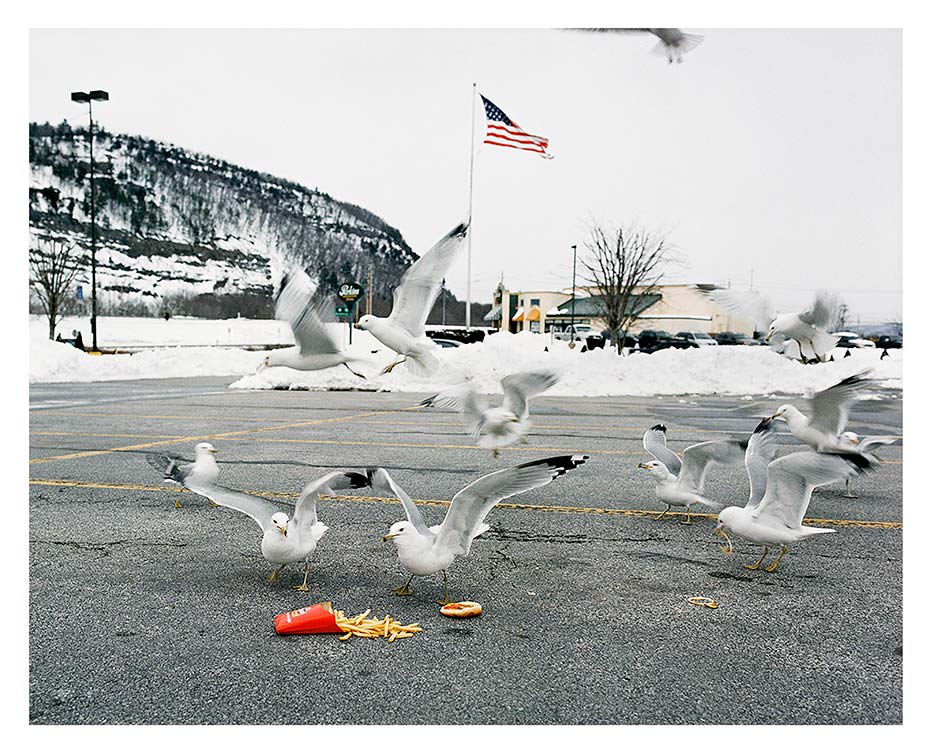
{"points": [[673, 43], [286, 540], [175, 470], [404, 330], [425, 551], [777, 518], [316, 348], [497, 426], [687, 488], [809, 328], [828, 411]]}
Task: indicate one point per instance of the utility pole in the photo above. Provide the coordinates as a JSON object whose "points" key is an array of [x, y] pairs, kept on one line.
{"points": [[369, 289], [87, 97]]}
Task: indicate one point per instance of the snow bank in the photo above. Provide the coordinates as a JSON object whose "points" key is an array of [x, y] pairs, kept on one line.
{"points": [[735, 370]]}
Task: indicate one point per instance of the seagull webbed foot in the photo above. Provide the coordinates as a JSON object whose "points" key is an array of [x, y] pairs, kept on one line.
{"points": [[775, 563]]}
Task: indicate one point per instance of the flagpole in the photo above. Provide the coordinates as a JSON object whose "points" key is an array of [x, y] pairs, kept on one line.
{"points": [[467, 303]]}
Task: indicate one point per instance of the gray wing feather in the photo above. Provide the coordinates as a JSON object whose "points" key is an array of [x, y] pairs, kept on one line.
{"points": [[381, 479], [875, 442], [821, 313], [415, 296], [295, 305], [465, 399], [761, 449], [654, 442], [306, 508], [831, 407], [521, 386], [257, 508], [472, 504], [751, 305], [697, 459], [170, 466]]}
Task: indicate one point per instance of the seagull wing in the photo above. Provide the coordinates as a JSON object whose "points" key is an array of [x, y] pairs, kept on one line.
{"points": [[257, 508], [415, 296], [697, 459], [791, 479], [754, 306], [654, 442], [306, 508], [295, 304], [472, 504], [875, 442], [381, 479], [831, 407], [821, 313], [761, 449], [521, 386], [465, 399], [172, 467]]}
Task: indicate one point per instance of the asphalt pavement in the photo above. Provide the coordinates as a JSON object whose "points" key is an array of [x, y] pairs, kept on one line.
{"points": [[142, 613]]}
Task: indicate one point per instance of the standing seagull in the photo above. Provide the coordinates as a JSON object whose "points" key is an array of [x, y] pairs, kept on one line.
{"points": [[404, 330], [777, 519], [673, 43], [503, 425], [829, 409], [316, 348], [870, 444], [425, 551], [176, 471], [286, 540], [687, 488]]}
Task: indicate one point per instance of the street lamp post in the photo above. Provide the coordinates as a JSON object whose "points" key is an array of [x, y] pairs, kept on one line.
{"points": [[87, 97], [574, 267]]}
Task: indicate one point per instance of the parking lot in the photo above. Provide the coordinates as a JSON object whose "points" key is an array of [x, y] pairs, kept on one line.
{"points": [[144, 613]]}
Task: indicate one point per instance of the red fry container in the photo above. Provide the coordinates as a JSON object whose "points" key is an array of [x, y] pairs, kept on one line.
{"points": [[317, 618]]}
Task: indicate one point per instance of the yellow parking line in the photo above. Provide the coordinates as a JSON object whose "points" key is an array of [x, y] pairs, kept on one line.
{"points": [[104, 434], [634, 512]]}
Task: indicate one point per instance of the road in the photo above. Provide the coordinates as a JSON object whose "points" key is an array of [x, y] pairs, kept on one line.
{"points": [[142, 613]]}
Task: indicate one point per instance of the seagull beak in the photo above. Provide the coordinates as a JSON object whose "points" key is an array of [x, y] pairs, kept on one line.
{"points": [[644, 466], [284, 531], [390, 536], [729, 549], [357, 326], [769, 336], [212, 450]]}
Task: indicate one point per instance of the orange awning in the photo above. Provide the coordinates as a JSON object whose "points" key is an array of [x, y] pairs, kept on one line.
{"points": [[518, 315], [533, 313]]}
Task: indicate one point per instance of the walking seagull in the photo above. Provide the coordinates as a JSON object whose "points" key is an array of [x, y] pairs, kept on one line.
{"points": [[425, 551], [497, 426], [316, 348], [404, 330], [777, 518], [687, 487], [176, 470], [286, 540], [828, 412]]}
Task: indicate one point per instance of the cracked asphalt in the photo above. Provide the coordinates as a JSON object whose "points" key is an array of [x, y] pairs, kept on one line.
{"points": [[141, 613]]}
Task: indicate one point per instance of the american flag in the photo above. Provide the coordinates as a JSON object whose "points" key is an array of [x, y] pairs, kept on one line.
{"points": [[502, 131]]}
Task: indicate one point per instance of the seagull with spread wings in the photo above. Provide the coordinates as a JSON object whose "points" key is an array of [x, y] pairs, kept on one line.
{"points": [[175, 470], [427, 550], [777, 518], [673, 43], [286, 540], [497, 426], [316, 348], [404, 330], [686, 487]]}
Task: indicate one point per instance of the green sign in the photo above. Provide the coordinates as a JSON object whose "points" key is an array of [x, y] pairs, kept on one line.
{"points": [[341, 311]]}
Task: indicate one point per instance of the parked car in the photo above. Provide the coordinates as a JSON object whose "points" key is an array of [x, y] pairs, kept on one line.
{"points": [[728, 338], [890, 342], [446, 343], [701, 339], [581, 332], [653, 341], [851, 340]]}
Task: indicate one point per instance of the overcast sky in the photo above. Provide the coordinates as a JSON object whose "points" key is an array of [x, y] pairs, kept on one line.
{"points": [[772, 153]]}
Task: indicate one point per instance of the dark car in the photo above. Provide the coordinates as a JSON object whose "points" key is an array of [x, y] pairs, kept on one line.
{"points": [[890, 342], [653, 341], [729, 338]]}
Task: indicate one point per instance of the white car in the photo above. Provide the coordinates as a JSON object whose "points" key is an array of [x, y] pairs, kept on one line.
{"points": [[582, 331], [697, 338], [851, 340]]}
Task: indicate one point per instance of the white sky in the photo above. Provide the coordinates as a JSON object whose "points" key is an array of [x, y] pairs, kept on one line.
{"points": [[771, 151]]}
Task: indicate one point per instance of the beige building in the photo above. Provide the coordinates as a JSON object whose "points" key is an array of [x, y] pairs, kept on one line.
{"points": [[523, 311]]}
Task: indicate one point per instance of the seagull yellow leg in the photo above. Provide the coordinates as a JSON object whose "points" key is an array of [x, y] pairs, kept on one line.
{"points": [[389, 367], [688, 520], [444, 600], [274, 576], [496, 453], [304, 585], [659, 517], [775, 563], [178, 504], [758, 562], [404, 590]]}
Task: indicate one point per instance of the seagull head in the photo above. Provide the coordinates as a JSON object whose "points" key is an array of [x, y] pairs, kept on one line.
{"points": [[850, 437], [400, 529], [204, 449], [656, 468], [783, 411], [771, 332], [365, 323], [280, 522]]}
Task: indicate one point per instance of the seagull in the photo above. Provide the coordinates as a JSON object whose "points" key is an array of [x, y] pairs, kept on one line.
{"points": [[175, 471], [870, 444], [286, 540], [425, 551], [687, 487], [808, 328], [777, 518], [316, 348], [672, 42], [404, 330], [497, 426], [829, 409]]}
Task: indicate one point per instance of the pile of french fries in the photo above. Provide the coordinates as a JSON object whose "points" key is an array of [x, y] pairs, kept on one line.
{"points": [[369, 627]]}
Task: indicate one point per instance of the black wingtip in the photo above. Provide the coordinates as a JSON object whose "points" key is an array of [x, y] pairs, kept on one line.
{"points": [[459, 231], [359, 480], [426, 402], [860, 461], [658, 428], [559, 464], [764, 425]]}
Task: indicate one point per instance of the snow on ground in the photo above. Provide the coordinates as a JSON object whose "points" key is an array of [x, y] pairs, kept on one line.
{"points": [[735, 370]]}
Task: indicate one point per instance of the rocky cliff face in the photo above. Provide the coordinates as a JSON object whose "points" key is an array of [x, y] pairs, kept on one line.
{"points": [[171, 221]]}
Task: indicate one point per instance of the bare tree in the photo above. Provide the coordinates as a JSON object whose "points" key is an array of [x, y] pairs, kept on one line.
{"points": [[625, 265], [53, 266], [841, 316]]}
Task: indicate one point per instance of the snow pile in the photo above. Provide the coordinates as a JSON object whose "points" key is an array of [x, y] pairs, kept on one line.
{"points": [[735, 370]]}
